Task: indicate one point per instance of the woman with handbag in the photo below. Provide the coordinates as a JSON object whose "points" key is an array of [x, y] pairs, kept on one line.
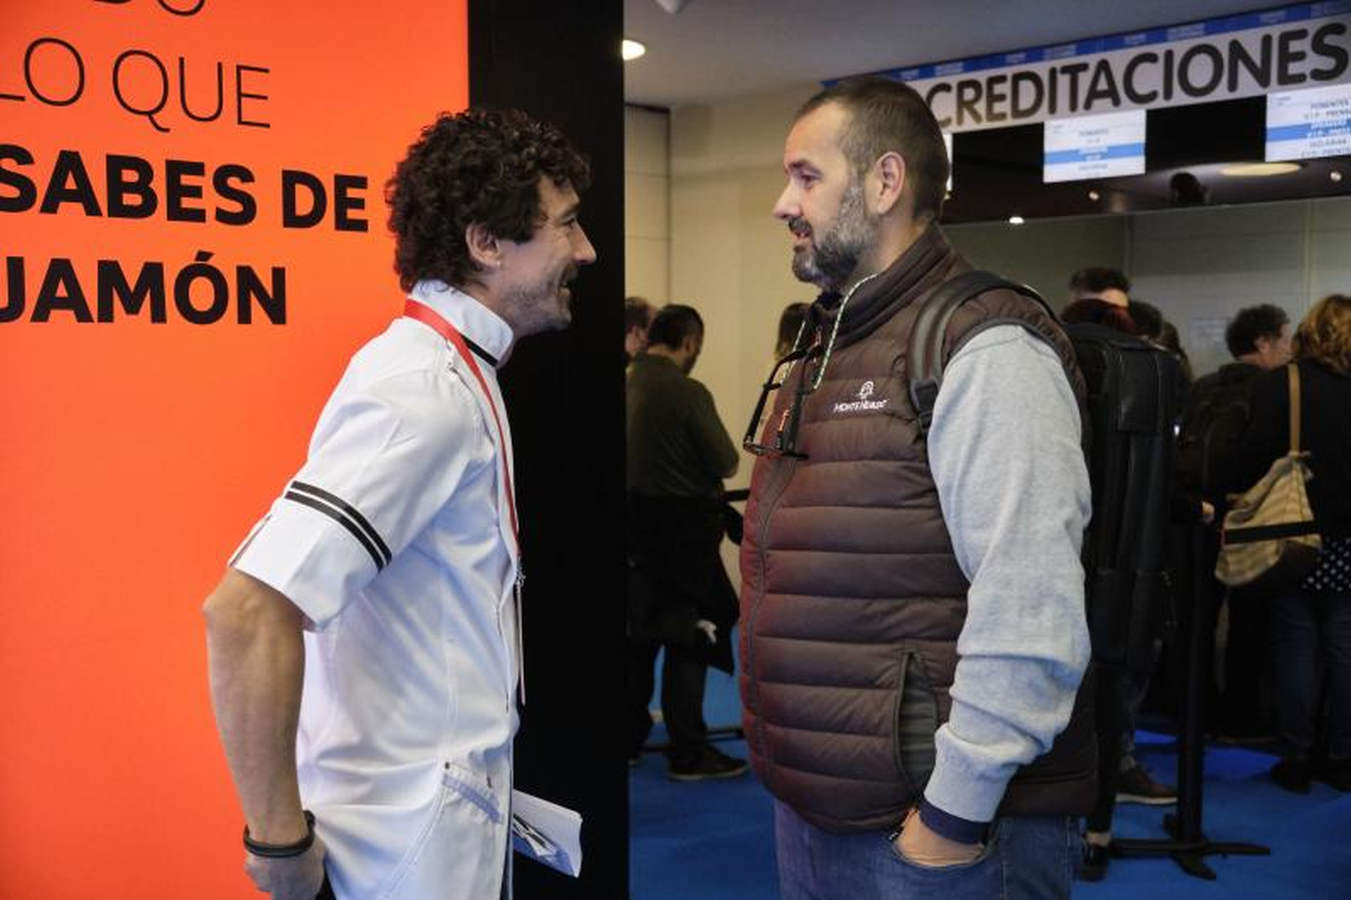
{"points": [[1311, 620]]}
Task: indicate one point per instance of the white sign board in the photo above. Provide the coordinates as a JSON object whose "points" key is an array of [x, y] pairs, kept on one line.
{"points": [[1309, 123], [1243, 55], [1094, 146]]}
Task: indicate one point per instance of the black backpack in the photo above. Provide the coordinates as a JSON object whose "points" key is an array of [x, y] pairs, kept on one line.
{"points": [[1128, 445], [1216, 413]]}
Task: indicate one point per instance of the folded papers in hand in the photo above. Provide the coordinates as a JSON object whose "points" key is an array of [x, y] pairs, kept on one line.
{"points": [[546, 832]]}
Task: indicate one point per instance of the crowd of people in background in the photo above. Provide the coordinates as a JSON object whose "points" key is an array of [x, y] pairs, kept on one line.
{"points": [[903, 480], [1282, 678], [680, 598]]}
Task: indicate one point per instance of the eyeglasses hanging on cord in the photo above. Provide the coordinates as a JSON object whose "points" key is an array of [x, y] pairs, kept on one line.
{"points": [[784, 442]]}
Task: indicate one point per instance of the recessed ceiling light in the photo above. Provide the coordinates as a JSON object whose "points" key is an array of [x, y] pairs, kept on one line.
{"points": [[1259, 170], [1015, 220], [631, 50]]}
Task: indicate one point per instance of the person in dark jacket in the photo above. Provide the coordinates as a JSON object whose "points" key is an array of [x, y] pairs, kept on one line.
{"points": [[1213, 419], [1217, 405], [680, 596], [1151, 325], [1311, 625], [1120, 688]]}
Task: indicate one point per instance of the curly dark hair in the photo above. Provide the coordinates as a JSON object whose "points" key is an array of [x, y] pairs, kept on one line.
{"points": [[478, 166], [1252, 322]]}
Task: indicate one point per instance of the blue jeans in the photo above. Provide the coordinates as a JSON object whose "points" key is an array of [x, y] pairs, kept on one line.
{"points": [[1311, 636], [1025, 858]]}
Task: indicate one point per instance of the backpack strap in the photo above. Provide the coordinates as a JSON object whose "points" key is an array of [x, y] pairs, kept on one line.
{"points": [[924, 358]]}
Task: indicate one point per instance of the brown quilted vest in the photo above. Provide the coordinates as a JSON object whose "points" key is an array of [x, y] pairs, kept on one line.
{"points": [[851, 594]]}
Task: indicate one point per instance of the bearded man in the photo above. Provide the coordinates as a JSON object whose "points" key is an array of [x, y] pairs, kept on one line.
{"points": [[914, 637]]}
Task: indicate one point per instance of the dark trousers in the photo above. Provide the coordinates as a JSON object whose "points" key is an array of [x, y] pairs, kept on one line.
{"points": [[1111, 711], [1245, 705], [1311, 637], [676, 578], [682, 698], [1134, 688]]}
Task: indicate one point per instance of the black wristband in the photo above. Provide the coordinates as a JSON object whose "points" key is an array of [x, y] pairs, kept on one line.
{"points": [[282, 851]]}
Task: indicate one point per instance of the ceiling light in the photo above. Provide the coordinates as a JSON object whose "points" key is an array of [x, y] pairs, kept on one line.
{"points": [[1094, 196], [631, 50], [1259, 170], [1335, 175], [1015, 220]]}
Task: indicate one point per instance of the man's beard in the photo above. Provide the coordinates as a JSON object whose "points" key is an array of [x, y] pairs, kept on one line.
{"points": [[835, 257], [541, 306]]}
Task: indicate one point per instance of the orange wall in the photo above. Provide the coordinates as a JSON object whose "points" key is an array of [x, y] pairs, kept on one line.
{"points": [[136, 454]]}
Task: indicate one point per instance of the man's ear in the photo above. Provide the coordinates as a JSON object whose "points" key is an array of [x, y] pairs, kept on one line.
{"points": [[484, 248], [889, 182]]}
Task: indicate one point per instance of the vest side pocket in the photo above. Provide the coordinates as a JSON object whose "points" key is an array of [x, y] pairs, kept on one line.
{"points": [[914, 722]]}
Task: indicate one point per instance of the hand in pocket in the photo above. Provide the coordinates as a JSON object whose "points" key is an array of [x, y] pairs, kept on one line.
{"points": [[919, 845]]}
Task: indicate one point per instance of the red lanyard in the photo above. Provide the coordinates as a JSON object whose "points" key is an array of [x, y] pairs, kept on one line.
{"points": [[430, 317]]}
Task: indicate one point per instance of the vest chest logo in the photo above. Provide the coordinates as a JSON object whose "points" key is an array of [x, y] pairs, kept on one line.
{"points": [[863, 403]]}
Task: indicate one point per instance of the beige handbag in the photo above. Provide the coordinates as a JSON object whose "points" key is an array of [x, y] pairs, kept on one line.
{"points": [[1270, 541]]}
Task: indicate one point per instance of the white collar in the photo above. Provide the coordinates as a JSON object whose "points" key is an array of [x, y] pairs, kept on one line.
{"points": [[475, 321]]}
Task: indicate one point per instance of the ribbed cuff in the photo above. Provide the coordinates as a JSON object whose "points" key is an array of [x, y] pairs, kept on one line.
{"points": [[963, 831], [964, 787]]}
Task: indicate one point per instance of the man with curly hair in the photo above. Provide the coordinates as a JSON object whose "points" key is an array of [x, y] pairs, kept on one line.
{"points": [[365, 649]]}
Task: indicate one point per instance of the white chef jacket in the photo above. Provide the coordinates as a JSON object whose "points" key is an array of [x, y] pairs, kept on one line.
{"points": [[396, 541]]}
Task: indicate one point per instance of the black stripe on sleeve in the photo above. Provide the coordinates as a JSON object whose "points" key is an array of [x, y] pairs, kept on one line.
{"points": [[357, 518], [341, 520]]}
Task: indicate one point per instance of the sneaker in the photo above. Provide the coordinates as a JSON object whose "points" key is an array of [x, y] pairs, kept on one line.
{"points": [[709, 764], [1293, 775], [1135, 786]]}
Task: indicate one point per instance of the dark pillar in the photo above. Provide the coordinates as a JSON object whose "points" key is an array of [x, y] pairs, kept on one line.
{"points": [[565, 392]]}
